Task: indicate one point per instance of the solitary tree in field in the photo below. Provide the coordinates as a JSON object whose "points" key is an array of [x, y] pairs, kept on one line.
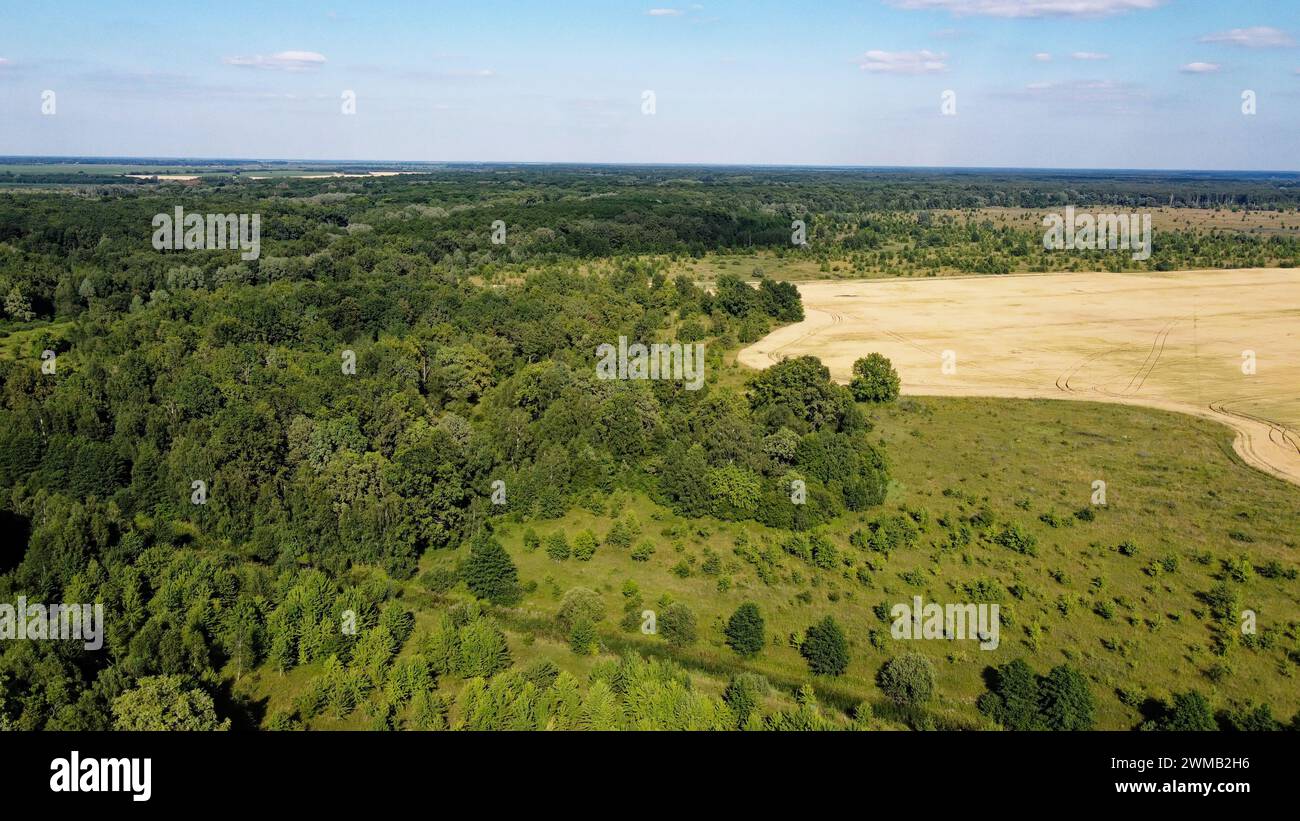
{"points": [[677, 625], [908, 680], [578, 605], [490, 572], [874, 379], [825, 648], [557, 547], [584, 546], [744, 630]]}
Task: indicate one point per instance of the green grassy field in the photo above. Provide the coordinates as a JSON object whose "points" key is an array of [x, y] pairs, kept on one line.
{"points": [[1174, 488], [23, 341]]}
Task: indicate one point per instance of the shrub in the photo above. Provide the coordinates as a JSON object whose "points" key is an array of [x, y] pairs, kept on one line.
{"points": [[825, 648], [439, 579], [582, 638], [531, 540], [1224, 602], [1014, 537], [1238, 569], [824, 554], [742, 695], [712, 564], [579, 604], [907, 680], [677, 625], [744, 630], [1251, 718], [557, 547], [624, 532], [584, 546], [1273, 569], [798, 545]]}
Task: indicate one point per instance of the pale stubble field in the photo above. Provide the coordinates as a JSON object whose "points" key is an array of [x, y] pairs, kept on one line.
{"points": [[1176, 341]]}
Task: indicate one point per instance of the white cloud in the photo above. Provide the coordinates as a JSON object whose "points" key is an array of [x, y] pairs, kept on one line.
{"points": [[1029, 8], [1199, 68], [665, 12], [1253, 37], [281, 61], [1090, 55], [1043, 57], [903, 62]]}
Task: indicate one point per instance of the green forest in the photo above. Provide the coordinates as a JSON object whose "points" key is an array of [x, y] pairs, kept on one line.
{"points": [[371, 479]]}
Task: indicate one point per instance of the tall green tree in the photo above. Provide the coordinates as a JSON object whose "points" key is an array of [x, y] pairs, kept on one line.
{"points": [[1065, 700], [874, 379], [825, 648], [165, 703], [744, 630], [490, 572]]}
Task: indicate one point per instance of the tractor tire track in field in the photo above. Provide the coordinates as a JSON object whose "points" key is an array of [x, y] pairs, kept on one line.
{"points": [[1153, 357], [836, 318], [1278, 434], [1063, 381], [1140, 376]]}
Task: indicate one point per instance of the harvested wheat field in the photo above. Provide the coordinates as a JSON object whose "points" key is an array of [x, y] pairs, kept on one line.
{"points": [[1176, 341]]}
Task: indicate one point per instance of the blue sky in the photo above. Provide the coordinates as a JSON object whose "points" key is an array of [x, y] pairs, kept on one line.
{"points": [[1037, 83]]}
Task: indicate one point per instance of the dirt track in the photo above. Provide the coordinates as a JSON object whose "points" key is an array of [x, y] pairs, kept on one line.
{"points": [[1164, 340]]}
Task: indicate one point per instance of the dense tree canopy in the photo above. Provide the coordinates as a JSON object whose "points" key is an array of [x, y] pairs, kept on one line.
{"points": [[299, 467]]}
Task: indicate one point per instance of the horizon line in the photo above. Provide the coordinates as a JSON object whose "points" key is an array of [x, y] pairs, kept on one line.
{"points": [[5, 158]]}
